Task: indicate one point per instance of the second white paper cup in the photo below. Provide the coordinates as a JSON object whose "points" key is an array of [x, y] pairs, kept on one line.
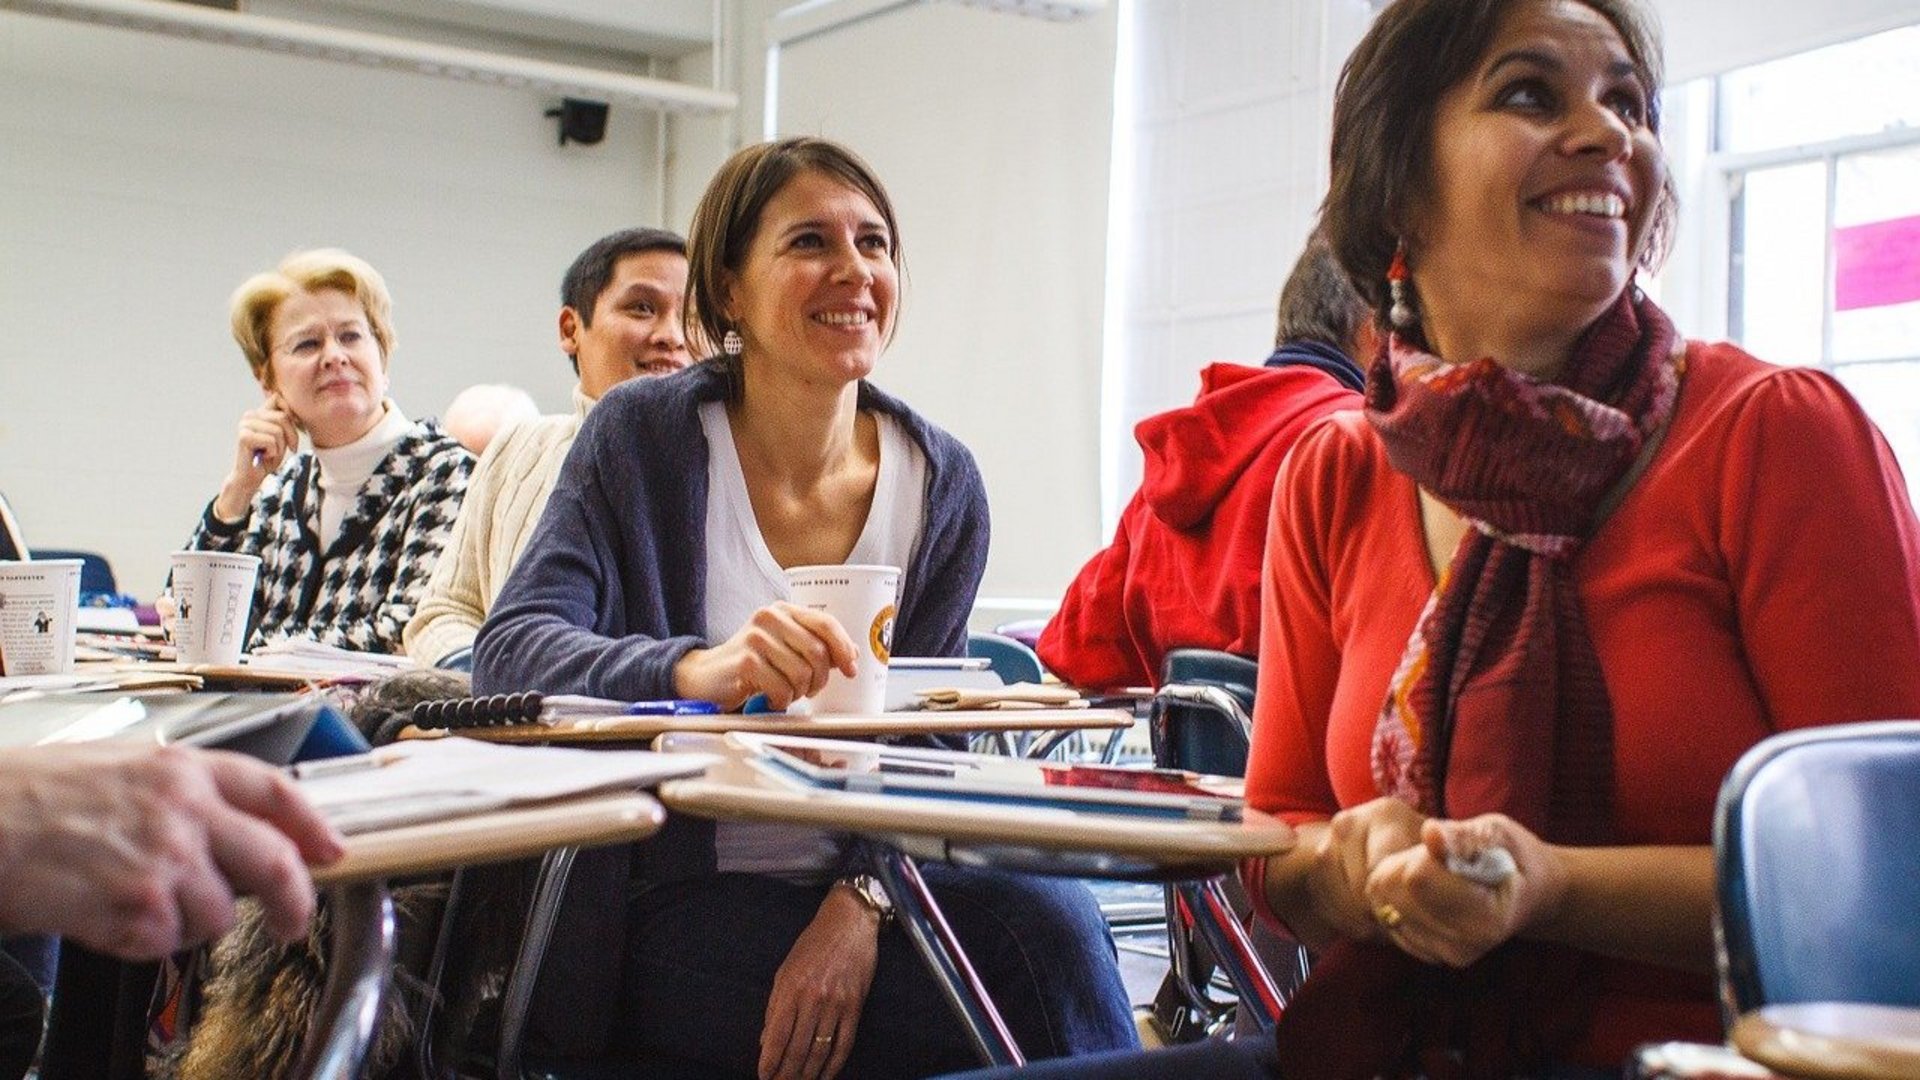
{"points": [[861, 599], [214, 591], [39, 603]]}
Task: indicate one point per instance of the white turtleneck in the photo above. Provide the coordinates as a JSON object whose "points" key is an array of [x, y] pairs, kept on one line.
{"points": [[344, 470]]}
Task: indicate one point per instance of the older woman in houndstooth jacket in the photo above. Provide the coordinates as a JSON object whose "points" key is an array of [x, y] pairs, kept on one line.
{"points": [[347, 533]]}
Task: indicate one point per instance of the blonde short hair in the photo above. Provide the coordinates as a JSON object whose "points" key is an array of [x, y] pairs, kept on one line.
{"points": [[257, 298]]}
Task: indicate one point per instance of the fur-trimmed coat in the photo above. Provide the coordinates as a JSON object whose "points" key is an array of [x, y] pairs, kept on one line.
{"points": [[260, 996]]}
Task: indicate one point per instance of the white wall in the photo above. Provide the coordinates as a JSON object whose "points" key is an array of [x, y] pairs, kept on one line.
{"points": [[143, 177], [1229, 164]]}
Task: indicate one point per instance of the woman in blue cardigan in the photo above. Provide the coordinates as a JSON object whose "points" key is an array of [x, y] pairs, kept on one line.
{"points": [[656, 571]]}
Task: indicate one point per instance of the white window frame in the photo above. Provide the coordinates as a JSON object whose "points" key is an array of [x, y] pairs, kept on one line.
{"points": [[1732, 169]]}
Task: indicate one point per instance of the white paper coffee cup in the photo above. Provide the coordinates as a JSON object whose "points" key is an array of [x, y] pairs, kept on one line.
{"points": [[213, 591], [861, 598], [39, 602]]}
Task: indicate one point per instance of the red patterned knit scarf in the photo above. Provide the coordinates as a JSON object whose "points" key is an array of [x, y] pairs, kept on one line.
{"points": [[1498, 703]]}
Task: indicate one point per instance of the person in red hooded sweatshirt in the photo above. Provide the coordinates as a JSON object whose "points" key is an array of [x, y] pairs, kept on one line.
{"points": [[1183, 570]]}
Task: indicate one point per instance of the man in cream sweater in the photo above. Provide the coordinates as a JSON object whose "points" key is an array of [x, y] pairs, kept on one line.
{"points": [[619, 319]]}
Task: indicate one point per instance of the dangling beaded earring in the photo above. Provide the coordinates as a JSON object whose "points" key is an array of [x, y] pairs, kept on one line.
{"points": [[731, 344], [1401, 313]]}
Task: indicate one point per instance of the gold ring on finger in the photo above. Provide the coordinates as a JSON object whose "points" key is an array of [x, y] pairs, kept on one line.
{"points": [[827, 1038], [1387, 915]]}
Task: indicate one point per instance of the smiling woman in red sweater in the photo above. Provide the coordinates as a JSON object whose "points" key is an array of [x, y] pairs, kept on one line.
{"points": [[1544, 590], [1558, 575]]}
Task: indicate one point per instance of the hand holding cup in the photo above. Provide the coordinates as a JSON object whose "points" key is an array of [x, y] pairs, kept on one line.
{"points": [[785, 653]]}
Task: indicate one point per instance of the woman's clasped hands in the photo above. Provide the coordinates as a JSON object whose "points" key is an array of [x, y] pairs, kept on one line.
{"points": [[1380, 872]]}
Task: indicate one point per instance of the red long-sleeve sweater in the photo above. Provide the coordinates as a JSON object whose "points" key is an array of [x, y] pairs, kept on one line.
{"points": [[1763, 574]]}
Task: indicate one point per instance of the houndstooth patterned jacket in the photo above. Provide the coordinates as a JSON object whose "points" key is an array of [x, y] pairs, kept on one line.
{"points": [[361, 591]]}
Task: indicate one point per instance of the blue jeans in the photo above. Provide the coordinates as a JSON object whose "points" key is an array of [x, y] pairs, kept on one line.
{"points": [[1250, 1058], [1214, 1059], [702, 954]]}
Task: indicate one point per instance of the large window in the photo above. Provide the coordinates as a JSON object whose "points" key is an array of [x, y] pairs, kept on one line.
{"points": [[1821, 156]]}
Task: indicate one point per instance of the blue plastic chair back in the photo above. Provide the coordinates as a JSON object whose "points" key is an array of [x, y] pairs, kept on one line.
{"points": [[96, 574], [1196, 736], [1005, 657], [1817, 846]]}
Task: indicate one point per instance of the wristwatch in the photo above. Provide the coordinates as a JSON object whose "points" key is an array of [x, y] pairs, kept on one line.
{"points": [[867, 889]]}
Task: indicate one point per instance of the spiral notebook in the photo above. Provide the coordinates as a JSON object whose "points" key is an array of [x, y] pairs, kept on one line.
{"points": [[501, 710]]}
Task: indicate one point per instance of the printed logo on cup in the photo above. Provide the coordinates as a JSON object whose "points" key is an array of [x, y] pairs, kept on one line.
{"points": [[214, 592], [880, 634], [39, 601], [232, 615]]}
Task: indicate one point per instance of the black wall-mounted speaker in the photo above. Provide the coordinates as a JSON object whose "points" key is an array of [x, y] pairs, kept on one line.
{"points": [[581, 121]]}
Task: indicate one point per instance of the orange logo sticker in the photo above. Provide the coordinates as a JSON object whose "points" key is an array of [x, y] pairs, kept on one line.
{"points": [[880, 634]]}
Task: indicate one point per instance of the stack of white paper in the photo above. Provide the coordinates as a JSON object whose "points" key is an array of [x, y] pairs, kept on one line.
{"points": [[430, 780], [306, 655]]}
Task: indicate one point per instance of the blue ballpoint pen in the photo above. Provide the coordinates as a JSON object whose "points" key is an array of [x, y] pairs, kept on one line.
{"points": [[672, 707]]}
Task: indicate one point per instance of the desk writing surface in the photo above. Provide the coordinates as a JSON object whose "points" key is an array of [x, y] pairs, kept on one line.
{"points": [[735, 791], [250, 676], [496, 836], [957, 722], [1833, 1041], [152, 718]]}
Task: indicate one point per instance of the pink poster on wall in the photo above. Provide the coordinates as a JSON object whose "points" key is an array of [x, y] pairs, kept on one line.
{"points": [[1876, 264]]}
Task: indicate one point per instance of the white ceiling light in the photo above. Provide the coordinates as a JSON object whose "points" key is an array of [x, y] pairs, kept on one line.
{"points": [[813, 17], [380, 51], [1059, 10], [804, 20]]}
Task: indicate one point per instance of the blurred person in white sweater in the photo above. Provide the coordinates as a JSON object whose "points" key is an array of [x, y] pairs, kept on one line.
{"points": [[620, 318]]}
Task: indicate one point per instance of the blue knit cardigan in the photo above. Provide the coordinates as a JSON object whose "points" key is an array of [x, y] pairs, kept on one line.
{"points": [[611, 592]]}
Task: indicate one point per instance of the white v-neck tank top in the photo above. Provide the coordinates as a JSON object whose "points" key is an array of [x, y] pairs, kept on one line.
{"points": [[743, 577]]}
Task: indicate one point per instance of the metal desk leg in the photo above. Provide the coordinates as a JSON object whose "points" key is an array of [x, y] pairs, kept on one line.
{"points": [[924, 922], [1215, 921], [360, 962], [548, 891], [443, 945], [1046, 744]]}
